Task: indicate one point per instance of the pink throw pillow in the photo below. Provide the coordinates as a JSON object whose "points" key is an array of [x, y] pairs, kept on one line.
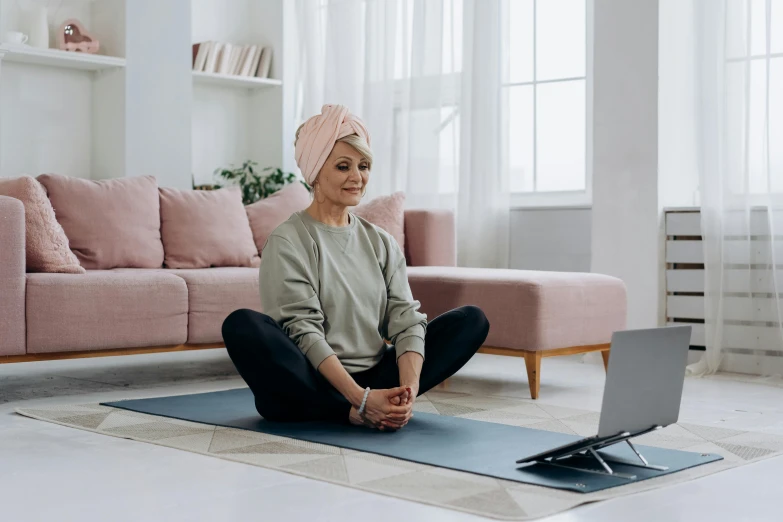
{"points": [[388, 213], [205, 228], [267, 214], [46, 243], [110, 223]]}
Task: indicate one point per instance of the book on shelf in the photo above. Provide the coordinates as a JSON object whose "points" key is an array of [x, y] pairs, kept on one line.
{"points": [[247, 61], [232, 59], [264, 63], [200, 51], [254, 64], [239, 62], [213, 53], [224, 61]]}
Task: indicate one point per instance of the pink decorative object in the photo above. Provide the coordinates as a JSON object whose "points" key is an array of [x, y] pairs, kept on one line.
{"points": [[386, 212], [47, 245], [267, 214], [72, 36]]}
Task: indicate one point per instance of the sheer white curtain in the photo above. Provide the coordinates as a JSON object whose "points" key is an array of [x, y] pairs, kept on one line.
{"points": [[426, 76], [739, 83]]}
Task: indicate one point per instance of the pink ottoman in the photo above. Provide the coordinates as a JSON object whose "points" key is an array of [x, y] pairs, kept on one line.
{"points": [[531, 314]]}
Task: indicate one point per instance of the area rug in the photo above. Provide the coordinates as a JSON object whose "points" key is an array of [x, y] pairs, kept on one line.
{"points": [[445, 441], [480, 495]]}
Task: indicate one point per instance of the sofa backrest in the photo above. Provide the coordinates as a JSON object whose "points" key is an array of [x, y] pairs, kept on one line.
{"points": [[430, 238]]}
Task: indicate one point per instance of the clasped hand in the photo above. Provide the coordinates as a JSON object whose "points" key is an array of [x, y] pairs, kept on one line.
{"points": [[389, 409]]}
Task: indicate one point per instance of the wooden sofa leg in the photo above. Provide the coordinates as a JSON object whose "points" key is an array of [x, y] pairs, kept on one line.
{"points": [[605, 356], [533, 365]]}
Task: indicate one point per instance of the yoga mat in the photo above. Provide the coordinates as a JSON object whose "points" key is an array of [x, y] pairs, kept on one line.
{"points": [[484, 448]]}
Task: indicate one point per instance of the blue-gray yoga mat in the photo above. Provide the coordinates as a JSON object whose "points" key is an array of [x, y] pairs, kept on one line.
{"points": [[484, 448]]}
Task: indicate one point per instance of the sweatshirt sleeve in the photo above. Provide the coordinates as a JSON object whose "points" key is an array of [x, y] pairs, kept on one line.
{"points": [[288, 296], [405, 325]]}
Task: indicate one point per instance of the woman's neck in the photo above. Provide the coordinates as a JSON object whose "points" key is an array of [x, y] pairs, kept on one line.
{"points": [[333, 215]]}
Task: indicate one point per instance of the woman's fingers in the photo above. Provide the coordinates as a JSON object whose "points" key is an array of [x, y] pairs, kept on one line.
{"points": [[395, 424], [399, 417], [397, 409], [395, 392]]}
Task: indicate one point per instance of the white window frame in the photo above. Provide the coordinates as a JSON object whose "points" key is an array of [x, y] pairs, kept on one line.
{"points": [[746, 196], [553, 199], [570, 198]]}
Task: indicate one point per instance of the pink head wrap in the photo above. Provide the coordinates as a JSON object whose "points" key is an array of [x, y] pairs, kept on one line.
{"points": [[320, 133]]}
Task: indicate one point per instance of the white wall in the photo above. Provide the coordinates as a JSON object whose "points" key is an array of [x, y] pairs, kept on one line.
{"points": [[233, 125], [555, 239], [288, 57], [625, 223], [45, 114], [46, 122], [678, 182], [267, 132], [159, 91], [219, 130], [108, 97]]}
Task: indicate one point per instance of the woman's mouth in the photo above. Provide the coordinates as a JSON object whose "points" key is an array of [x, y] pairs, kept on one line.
{"points": [[352, 190]]}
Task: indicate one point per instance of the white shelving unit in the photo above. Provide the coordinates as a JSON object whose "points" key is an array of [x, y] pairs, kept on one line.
{"points": [[58, 58], [237, 118], [64, 112], [138, 108], [233, 81]]}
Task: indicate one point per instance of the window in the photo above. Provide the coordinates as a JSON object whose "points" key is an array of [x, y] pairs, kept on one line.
{"points": [[754, 77], [546, 90]]}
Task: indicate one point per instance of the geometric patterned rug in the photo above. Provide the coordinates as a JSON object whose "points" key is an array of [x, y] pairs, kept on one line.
{"points": [[480, 495]]}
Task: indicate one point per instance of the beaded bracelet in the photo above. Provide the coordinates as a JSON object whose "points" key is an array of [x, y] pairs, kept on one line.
{"points": [[364, 400]]}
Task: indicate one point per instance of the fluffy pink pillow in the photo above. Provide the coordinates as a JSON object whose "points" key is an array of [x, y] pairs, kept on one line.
{"points": [[267, 214], [387, 212], [46, 243], [109, 223], [205, 228]]}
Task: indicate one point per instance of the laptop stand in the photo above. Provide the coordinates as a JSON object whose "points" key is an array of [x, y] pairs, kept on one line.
{"points": [[566, 458]]}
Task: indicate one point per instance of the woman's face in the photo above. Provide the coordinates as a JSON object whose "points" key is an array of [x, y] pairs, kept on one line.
{"points": [[343, 176]]}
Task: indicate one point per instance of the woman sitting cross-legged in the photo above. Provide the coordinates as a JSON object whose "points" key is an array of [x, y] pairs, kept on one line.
{"points": [[334, 287]]}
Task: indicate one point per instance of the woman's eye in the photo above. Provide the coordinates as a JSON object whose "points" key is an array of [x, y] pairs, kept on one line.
{"points": [[364, 167], [342, 168]]}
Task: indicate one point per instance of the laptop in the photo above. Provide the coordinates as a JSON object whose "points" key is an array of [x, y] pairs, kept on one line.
{"points": [[644, 381]]}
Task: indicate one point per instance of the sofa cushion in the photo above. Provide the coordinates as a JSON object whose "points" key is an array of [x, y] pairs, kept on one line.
{"points": [[267, 214], [105, 309], [213, 293], [527, 310], [386, 212], [203, 229], [109, 223], [46, 243]]}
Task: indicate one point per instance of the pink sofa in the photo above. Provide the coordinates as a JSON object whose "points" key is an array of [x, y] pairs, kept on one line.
{"points": [[533, 314]]}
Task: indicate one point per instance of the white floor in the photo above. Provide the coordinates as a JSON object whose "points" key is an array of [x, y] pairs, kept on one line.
{"points": [[49, 472]]}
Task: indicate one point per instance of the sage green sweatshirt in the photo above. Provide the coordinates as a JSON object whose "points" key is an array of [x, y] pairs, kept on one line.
{"points": [[340, 290]]}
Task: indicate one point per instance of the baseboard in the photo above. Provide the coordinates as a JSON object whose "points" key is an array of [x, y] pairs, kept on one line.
{"points": [[53, 356]]}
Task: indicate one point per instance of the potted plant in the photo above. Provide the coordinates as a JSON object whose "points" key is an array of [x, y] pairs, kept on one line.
{"points": [[256, 185]]}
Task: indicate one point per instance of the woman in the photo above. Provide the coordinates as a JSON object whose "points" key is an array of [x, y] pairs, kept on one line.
{"points": [[334, 286]]}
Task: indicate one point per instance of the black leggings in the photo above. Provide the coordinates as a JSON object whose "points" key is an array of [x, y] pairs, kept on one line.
{"points": [[288, 388]]}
